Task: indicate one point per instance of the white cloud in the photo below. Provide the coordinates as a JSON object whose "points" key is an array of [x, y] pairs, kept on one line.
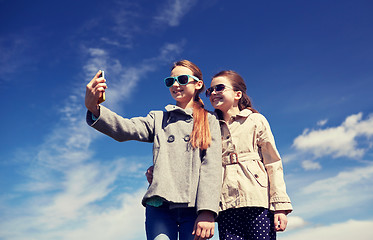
{"points": [[70, 194], [18, 51], [124, 78], [295, 222], [322, 122], [310, 165], [340, 141], [173, 11], [124, 222], [343, 192], [341, 182], [126, 19], [125, 219], [83, 185], [351, 229], [290, 157]]}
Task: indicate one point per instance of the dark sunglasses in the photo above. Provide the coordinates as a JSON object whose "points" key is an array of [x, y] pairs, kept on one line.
{"points": [[182, 80], [217, 88]]}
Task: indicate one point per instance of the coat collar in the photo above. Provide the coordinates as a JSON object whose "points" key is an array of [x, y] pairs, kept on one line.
{"points": [[244, 114], [171, 108]]}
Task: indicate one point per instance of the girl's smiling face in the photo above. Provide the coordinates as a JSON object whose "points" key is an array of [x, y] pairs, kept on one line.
{"points": [[225, 100], [184, 94]]}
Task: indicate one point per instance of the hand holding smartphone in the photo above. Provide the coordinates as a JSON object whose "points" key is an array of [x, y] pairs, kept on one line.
{"points": [[102, 97]]}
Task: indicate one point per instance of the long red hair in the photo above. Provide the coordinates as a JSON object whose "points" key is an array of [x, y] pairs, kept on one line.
{"points": [[200, 136]]}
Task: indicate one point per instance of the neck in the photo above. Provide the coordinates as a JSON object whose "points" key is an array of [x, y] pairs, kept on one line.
{"points": [[185, 105], [230, 112]]}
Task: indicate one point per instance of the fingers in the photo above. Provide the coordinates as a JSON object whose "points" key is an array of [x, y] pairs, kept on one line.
{"points": [[97, 82], [205, 234], [204, 227], [96, 79], [94, 90], [280, 222], [276, 223], [196, 231], [283, 224]]}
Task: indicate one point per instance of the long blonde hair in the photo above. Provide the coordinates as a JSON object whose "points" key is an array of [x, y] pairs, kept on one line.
{"points": [[200, 136]]}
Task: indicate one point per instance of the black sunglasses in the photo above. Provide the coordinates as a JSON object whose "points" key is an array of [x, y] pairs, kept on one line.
{"points": [[182, 80], [217, 88]]}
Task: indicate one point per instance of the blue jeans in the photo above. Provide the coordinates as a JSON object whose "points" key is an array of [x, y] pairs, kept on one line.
{"points": [[162, 223]]}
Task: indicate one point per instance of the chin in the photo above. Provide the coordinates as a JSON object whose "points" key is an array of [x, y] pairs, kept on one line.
{"points": [[216, 105]]}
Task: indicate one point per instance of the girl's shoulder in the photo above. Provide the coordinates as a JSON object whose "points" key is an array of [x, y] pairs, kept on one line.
{"points": [[157, 113], [257, 115], [212, 115], [258, 118]]}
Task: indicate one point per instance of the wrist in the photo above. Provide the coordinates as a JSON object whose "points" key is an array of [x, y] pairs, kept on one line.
{"points": [[207, 214], [281, 212], [96, 111]]}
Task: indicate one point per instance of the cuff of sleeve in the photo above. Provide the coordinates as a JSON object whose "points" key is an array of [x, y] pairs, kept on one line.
{"points": [[212, 211], [283, 206], [90, 118], [94, 118]]}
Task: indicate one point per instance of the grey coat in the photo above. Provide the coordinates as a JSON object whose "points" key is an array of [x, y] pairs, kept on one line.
{"points": [[182, 175]]}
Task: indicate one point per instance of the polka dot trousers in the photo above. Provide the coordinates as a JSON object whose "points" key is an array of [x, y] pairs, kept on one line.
{"points": [[247, 223]]}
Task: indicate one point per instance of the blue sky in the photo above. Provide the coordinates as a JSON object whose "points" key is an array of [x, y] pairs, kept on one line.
{"points": [[307, 64]]}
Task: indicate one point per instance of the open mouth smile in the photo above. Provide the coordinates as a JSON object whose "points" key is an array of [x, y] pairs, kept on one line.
{"points": [[216, 99], [177, 91]]}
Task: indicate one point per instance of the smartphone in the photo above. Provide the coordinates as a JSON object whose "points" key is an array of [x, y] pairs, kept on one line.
{"points": [[102, 98]]}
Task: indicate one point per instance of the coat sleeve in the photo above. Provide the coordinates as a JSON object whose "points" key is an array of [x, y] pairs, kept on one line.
{"points": [[210, 181], [123, 129], [279, 199]]}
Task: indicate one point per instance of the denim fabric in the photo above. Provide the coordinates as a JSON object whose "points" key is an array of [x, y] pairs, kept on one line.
{"points": [[163, 223]]}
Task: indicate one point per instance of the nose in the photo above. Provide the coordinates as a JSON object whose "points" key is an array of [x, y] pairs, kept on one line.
{"points": [[213, 92], [177, 84]]}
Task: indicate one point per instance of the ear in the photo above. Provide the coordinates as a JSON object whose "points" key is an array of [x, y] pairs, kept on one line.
{"points": [[238, 95], [199, 85]]}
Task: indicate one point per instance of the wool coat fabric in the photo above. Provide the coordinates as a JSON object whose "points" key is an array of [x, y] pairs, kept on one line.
{"points": [[182, 175]]}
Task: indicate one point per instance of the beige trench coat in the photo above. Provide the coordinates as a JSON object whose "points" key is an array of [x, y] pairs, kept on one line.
{"points": [[252, 166]]}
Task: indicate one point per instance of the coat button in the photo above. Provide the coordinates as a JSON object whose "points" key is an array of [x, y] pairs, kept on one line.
{"points": [[187, 138], [256, 175], [171, 138]]}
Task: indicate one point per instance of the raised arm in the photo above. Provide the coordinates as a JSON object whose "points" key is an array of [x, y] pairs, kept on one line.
{"points": [[94, 90]]}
